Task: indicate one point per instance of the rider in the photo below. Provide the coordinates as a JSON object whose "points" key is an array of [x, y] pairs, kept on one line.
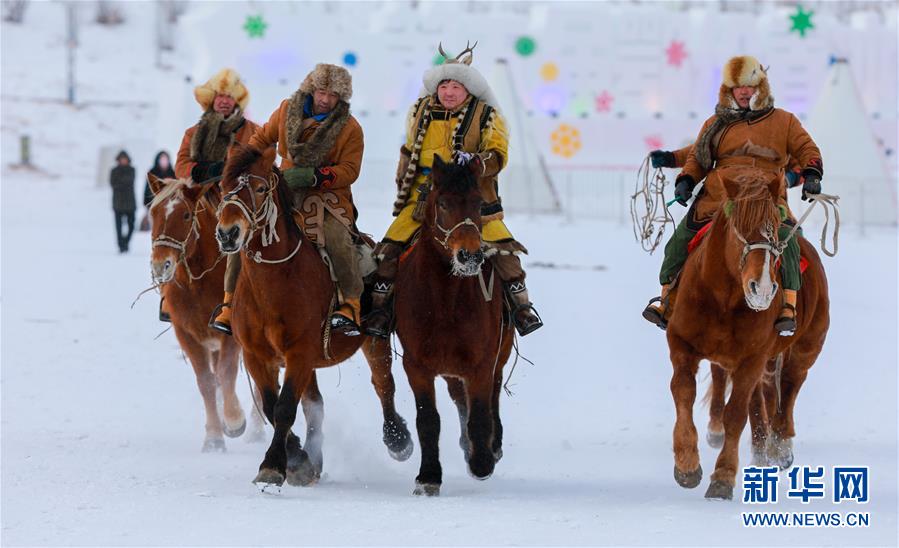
{"points": [[745, 131], [457, 118], [320, 144], [207, 144]]}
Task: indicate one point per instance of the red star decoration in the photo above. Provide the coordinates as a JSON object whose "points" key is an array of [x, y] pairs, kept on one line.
{"points": [[653, 142], [604, 101], [676, 53]]}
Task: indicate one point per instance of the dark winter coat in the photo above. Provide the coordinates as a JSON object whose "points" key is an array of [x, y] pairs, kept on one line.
{"points": [[121, 178], [160, 173]]}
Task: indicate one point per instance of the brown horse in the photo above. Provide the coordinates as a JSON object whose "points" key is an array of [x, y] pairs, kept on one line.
{"points": [[281, 304], [450, 320], [724, 314], [185, 264]]}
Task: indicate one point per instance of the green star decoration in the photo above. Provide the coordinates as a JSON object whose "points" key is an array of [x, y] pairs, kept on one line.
{"points": [[255, 26], [802, 21]]}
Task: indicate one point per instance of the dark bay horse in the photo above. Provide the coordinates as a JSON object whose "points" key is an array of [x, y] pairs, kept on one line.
{"points": [[187, 266], [281, 304], [450, 320], [724, 314]]}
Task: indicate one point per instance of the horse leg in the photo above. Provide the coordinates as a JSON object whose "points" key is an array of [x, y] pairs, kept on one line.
{"points": [[275, 466], [780, 446], [314, 411], [687, 471], [226, 373], [715, 434], [456, 388], [758, 422], [396, 434], [257, 431], [198, 355], [745, 379], [427, 422], [481, 460]]}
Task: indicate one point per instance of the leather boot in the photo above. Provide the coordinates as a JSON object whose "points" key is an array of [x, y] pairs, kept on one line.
{"points": [[222, 321], [786, 322], [378, 322], [524, 316], [346, 318]]}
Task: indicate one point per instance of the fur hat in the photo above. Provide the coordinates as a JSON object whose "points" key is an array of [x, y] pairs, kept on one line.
{"points": [[225, 82], [330, 78], [460, 70], [745, 71]]}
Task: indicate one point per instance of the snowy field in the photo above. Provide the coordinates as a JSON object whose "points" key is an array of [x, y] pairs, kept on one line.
{"points": [[102, 425]]}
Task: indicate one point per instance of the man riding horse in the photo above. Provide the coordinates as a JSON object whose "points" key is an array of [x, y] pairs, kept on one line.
{"points": [[746, 133], [320, 144], [207, 144], [457, 119]]}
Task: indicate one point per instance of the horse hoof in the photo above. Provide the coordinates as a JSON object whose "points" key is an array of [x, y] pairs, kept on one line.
{"points": [[718, 490], [715, 439], [236, 432], [214, 445], [481, 466], [302, 473], [688, 480], [398, 440], [268, 476], [256, 436], [426, 489], [780, 452]]}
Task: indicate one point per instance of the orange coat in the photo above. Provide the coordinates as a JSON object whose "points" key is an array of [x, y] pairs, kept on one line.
{"points": [[344, 159], [681, 155], [769, 143], [183, 162]]}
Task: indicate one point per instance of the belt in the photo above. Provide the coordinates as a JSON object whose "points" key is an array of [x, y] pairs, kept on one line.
{"points": [[749, 161]]}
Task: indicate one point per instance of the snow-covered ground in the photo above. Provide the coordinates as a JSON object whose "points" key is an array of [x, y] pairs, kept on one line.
{"points": [[102, 424]]}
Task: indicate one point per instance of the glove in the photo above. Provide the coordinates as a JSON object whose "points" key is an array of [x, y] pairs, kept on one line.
{"points": [[463, 158], [198, 172], [662, 158], [215, 169], [811, 184], [683, 189], [300, 177]]}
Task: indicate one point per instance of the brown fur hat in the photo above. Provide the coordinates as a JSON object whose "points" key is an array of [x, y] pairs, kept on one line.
{"points": [[745, 71], [225, 82], [329, 78]]}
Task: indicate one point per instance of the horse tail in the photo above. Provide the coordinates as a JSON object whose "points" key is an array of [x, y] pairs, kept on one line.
{"points": [[728, 387]]}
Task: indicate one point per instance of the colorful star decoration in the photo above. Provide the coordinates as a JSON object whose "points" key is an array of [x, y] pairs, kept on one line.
{"points": [[653, 142], [676, 53], [566, 141], [255, 26], [604, 101], [802, 21]]}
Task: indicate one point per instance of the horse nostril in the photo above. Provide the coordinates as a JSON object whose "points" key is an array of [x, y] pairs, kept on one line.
{"points": [[754, 288]]}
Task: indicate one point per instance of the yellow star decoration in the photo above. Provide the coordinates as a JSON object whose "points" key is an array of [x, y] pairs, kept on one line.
{"points": [[566, 141]]}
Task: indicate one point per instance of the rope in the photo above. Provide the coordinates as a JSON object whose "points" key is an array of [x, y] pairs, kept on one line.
{"points": [[828, 202], [253, 393], [649, 228], [326, 333]]}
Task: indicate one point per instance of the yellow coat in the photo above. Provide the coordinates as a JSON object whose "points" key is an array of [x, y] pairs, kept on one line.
{"points": [[438, 140]]}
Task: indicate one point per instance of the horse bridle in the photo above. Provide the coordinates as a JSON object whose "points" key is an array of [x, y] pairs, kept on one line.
{"points": [[771, 246], [448, 232], [164, 240]]}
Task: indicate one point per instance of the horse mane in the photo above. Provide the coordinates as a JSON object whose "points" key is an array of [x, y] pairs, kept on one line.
{"points": [[753, 206], [169, 189], [285, 197], [457, 179], [240, 161]]}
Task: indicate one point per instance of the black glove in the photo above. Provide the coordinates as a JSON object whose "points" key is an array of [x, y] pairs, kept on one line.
{"points": [[811, 184], [198, 172], [215, 169], [662, 158], [683, 189]]}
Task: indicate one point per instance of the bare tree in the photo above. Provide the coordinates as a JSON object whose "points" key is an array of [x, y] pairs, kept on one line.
{"points": [[109, 13], [14, 10]]}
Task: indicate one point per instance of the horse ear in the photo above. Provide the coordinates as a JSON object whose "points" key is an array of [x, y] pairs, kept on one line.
{"points": [[437, 169], [269, 155], [775, 187], [192, 192], [156, 183], [731, 187], [476, 166]]}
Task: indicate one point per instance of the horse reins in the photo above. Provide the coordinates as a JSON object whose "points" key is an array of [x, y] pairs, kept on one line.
{"points": [[262, 218], [448, 232], [164, 240]]}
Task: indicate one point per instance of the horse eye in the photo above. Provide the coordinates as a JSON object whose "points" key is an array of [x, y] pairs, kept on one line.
{"points": [[260, 190], [186, 215]]}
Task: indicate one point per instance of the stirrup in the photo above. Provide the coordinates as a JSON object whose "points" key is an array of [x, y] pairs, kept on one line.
{"points": [[654, 315], [377, 331], [342, 324], [526, 329], [786, 325], [221, 327]]}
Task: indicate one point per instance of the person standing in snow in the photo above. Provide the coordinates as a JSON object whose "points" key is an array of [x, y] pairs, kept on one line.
{"points": [[162, 168], [124, 204]]}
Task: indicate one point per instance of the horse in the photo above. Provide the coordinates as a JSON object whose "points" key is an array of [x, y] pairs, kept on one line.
{"points": [[451, 323], [281, 305], [186, 264], [724, 315]]}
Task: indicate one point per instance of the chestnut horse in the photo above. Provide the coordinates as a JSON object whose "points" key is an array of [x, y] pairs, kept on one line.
{"points": [[724, 314], [281, 304], [185, 263], [451, 323]]}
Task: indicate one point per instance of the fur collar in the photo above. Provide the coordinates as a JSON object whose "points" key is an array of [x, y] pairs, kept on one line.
{"points": [[214, 135], [313, 152]]}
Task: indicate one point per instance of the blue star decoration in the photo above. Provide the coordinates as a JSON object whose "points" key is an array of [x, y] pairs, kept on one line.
{"points": [[255, 26], [802, 21]]}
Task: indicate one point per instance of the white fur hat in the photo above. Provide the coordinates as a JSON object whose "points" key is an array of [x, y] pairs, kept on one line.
{"points": [[461, 71]]}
